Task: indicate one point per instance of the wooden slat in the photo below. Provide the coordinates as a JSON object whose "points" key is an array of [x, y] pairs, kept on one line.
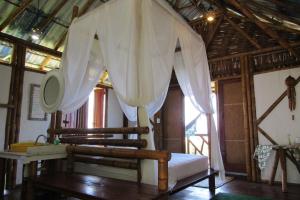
{"points": [[246, 116], [86, 136], [111, 142], [241, 31], [125, 130], [266, 10], [2, 105], [214, 31], [119, 152], [36, 47], [106, 162], [51, 16], [264, 133], [255, 52], [161, 156], [15, 14], [271, 108], [95, 188], [244, 9]]}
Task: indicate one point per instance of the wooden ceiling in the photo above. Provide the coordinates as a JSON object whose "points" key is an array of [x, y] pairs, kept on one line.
{"points": [[239, 25]]}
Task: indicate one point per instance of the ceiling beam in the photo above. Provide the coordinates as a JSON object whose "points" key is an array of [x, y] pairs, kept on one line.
{"points": [[35, 47], [275, 14], [185, 7], [253, 41], [75, 14], [290, 6], [82, 11], [243, 8], [43, 24], [15, 14], [213, 32]]}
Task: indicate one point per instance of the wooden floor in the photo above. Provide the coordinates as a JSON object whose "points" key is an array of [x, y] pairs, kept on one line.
{"points": [[235, 187]]}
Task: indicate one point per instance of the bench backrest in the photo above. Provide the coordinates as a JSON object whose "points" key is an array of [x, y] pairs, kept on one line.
{"points": [[104, 137], [81, 153]]}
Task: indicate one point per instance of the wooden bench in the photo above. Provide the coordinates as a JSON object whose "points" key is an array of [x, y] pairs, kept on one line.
{"points": [[93, 187]]}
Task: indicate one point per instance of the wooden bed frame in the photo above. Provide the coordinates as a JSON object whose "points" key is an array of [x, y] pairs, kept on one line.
{"points": [[59, 182]]}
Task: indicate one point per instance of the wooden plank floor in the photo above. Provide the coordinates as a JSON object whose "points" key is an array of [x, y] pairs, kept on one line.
{"points": [[243, 188], [235, 187]]}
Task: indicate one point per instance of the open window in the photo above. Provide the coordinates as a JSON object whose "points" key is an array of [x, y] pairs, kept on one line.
{"points": [[97, 108], [196, 132]]}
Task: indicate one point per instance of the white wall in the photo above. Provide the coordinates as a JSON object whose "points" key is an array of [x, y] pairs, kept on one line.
{"points": [[279, 124], [5, 73], [29, 129], [114, 111]]}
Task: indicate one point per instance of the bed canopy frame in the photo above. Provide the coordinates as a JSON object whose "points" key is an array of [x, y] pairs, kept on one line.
{"points": [[135, 42]]}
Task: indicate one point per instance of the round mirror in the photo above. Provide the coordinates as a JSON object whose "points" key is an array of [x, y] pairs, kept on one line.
{"points": [[52, 91]]}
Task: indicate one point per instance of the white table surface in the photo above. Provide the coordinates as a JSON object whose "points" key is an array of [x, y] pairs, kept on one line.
{"points": [[27, 158]]}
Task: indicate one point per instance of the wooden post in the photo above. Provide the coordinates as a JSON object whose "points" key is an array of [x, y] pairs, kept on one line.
{"points": [[139, 162], [2, 176], [282, 160], [163, 175], [209, 118], [274, 168], [32, 173], [246, 124], [13, 117], [52, 128], [211, 184]]}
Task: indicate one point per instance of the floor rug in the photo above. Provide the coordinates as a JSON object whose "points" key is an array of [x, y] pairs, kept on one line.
{"points": [[218, 182], [227, 196]]}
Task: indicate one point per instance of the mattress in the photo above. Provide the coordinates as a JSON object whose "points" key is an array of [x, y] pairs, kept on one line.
{"points": [[185, 165], [180, 166]]}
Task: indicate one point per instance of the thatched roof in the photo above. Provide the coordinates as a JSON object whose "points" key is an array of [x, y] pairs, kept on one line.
{"points": [[239, 25]]}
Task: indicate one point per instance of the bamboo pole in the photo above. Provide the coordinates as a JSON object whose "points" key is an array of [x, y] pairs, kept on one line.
{"points": [[209, 118], [119, 152], [124, 130], [244, 9], [107, 162], [112, 142], [162, 156], [250, 117], [253, 110], [245, 114]]}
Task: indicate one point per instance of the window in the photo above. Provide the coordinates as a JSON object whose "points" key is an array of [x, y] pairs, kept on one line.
{"points": [[41, 61], [97, 108], [6, 52]]}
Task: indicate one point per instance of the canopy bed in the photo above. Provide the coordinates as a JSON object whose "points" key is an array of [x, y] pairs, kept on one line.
{"points": [[135, 42]]}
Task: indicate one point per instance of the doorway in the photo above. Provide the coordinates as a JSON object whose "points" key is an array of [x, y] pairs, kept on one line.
{"points": [[231, 123], [196, 133]]}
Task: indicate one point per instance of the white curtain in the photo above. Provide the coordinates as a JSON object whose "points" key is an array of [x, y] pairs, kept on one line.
{"points": [[136, 45], [192, 87]]}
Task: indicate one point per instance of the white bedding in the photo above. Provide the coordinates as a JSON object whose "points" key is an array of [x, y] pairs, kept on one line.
{"points": [[180, 166], [184, 165]]}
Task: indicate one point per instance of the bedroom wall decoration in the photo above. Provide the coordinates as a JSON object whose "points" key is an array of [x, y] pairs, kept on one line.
{"points": [[35, 112]]}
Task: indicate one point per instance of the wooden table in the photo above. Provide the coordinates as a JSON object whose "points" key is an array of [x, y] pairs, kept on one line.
{"points": [[280, 156], [29, 161]]}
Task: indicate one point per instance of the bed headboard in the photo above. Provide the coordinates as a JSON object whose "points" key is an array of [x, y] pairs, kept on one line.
{"points": [[76, 153], [103, 138]]}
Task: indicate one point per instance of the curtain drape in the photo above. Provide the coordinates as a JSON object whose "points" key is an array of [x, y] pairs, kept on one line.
{"points": [[136, 44]]}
